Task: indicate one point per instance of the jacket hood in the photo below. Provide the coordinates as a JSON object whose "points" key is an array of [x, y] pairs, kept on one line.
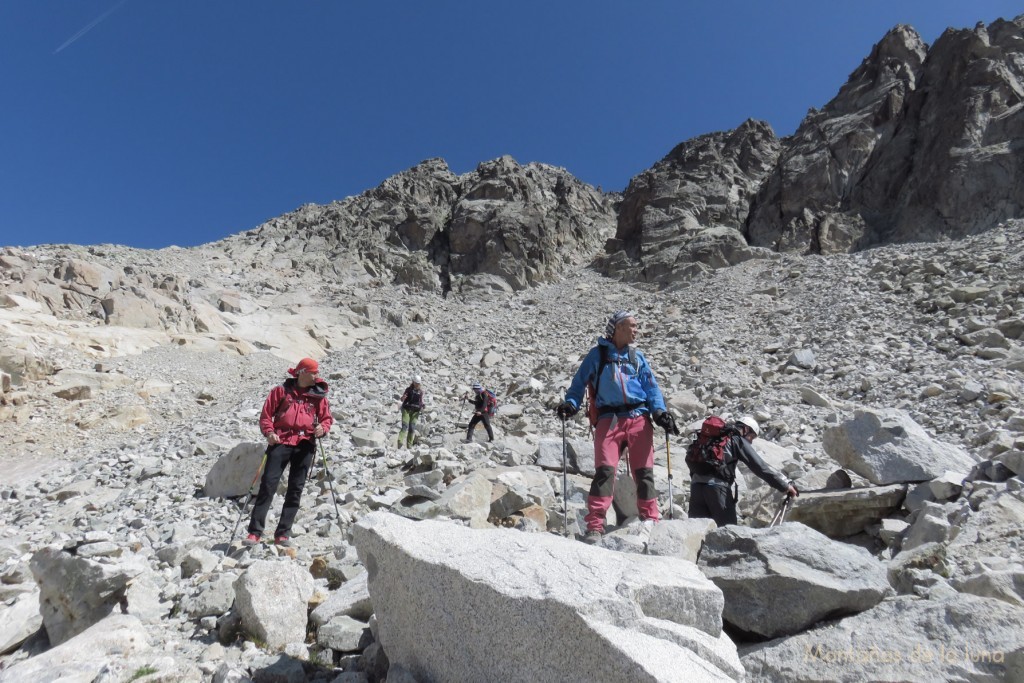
{"points": [[318, 390]]}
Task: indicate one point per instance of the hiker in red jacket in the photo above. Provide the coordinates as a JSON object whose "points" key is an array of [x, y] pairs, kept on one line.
{"points": [[294, 415]]}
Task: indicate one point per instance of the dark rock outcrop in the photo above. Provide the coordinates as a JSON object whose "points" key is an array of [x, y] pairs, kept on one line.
{"points": [[691, 206], [803, 205], [429, 228]]}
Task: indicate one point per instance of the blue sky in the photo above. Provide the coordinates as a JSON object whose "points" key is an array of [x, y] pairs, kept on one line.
{"points": [[153, 123]]}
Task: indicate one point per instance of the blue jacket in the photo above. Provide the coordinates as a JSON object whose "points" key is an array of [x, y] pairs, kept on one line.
{"points": [[621, 384]]}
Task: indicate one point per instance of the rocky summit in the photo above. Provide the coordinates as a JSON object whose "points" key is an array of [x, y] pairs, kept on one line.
{"points": [[856, 287]]}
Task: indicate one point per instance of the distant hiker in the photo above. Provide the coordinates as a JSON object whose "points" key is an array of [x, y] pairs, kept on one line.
{"points": [[624, 399], [412, 404], [484, 407], [294, 415], [713, 493]]}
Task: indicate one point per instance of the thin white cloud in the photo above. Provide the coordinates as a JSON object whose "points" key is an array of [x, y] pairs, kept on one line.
{"points": [[90, 26]]}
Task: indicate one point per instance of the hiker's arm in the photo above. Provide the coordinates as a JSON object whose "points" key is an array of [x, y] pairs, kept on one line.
{"points": [[323, 416], [655, 401], [759, 467], [270, 407], [585, 374]]}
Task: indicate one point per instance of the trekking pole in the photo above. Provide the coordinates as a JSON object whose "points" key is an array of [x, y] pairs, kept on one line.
{"points": [[668, 457], [330, 479], [248, 498], [565, 485], [312, 464], [780, 516]]}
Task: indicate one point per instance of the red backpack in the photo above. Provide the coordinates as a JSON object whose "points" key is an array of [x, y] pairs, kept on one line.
{"points": [[706, 453], [490, 403]]}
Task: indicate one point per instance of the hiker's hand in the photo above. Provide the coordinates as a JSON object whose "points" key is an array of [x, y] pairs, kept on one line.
{"points": [[273, 439], [319, 431], [792, 491], [565, 410], [664, 419]]}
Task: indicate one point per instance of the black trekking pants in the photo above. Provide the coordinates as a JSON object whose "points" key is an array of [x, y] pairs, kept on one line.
{"points": [[298, 460], [478, 418], [712, 502]]}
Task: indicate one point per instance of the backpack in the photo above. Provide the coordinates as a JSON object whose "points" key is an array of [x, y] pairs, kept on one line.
{"points": [[490, 403], [592, 412], [706, 453]]}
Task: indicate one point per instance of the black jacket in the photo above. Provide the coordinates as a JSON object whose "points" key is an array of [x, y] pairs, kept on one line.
{"points": [[412, 399], [740, 450]]}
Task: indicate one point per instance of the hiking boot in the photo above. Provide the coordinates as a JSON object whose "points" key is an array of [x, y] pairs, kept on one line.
{"points": [[251, 539], [284, 542], [593, 537]]}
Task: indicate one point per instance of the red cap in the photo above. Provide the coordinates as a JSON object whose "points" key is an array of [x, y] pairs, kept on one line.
{"points": [[305, 364]]}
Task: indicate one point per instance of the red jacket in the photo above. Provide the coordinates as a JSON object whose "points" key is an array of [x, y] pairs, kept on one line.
{"points": [[293, 413]]}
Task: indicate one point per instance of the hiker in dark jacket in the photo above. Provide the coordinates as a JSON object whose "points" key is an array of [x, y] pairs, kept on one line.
{"points": [[412, 404], [629, 403], [712, 494], [294, 415], [480, 414]]}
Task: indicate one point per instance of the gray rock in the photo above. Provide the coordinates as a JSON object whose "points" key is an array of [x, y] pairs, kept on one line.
{"points": [[781, 580], [344, 634], [271, 599], [579, 455], [19, 619], [931, 526], [681, 538], [352, 599], [76, 593], [233, 474], [803, 358], [664, 626], [1005, 585], [213, 598], [845, 512], [85, 656], [469, 499], [888, 447], [963, 637]]}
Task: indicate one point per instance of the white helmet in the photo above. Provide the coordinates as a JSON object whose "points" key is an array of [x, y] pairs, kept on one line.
{"points": [[750, 422], [416, 379]]}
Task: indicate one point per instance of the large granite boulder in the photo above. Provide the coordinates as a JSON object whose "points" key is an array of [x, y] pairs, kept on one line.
{"points": [[76, 592], [271, 598], [512, 606], [234, 472], [888, 447], [846, 512], [781, 580], [110, 643], [961, 638]]}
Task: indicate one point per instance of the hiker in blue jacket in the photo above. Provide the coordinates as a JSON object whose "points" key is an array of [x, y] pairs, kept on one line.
{"points": [[627, 404]]}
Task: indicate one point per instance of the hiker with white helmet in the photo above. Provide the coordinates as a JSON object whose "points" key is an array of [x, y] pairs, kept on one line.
{"points": [[713, 493], [484, 405], [412, 404], [625, 404]]}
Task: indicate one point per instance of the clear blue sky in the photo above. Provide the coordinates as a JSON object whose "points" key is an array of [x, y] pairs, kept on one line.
{"points": [[150, 123]]}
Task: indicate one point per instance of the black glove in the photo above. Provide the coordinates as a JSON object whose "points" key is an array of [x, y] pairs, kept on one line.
{"points": [[566, 410], [664, 419]]}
